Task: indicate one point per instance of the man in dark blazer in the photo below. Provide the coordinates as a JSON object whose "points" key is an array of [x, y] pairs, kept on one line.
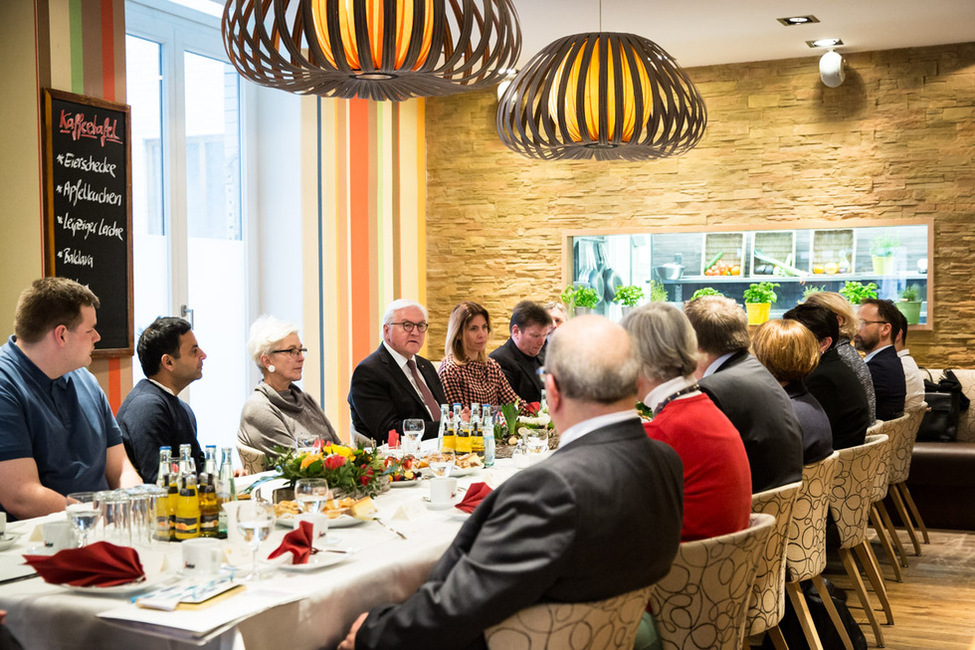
{"points": [[833, 383], [746, 392], [395, 383], [598, 518], [520, 357], [879, 326]]}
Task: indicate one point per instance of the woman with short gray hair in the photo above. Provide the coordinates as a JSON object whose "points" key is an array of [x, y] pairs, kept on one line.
{"points": [[278, 413], [717, 479]]}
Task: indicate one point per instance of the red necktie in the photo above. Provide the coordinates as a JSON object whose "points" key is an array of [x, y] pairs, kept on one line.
{"points": [[425, 393]]}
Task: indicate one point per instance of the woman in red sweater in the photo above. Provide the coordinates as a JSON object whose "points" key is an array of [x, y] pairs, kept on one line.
{"points": [[717, 481]]}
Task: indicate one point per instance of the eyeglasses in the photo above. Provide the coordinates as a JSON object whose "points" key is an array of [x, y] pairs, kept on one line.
{"points": [[873, 322], [294, 352], [409, 325]]}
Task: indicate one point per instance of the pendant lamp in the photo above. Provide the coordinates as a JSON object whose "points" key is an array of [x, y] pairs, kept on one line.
{"points": [[601, 95], [373, 49]]}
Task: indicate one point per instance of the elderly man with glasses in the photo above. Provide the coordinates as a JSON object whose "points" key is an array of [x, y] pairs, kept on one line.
{"points": [[879, 327], [395, 383]]}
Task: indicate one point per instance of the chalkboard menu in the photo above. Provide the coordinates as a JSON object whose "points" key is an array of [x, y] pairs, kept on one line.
{"points": [[88, 207]]}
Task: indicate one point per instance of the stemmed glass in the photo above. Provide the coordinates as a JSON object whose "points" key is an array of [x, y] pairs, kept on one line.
{"points": [[83, 514], [311, 495], [412, 432], [443, 463], [254, 522]]}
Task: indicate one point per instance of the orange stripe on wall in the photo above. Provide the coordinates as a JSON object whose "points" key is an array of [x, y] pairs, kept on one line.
{"points": [[115, 383], [359, 248], [108, 51]]}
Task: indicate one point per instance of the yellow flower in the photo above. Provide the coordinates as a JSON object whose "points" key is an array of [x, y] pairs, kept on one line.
{"points": [[341, 450], [308, 459]]}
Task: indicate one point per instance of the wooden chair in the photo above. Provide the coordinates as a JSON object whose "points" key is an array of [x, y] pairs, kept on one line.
{"points": [[879, 517], [253, 460], [610, 623], [901, 452], [806, 552], [767, 606], [702, 602], [849, 503]]}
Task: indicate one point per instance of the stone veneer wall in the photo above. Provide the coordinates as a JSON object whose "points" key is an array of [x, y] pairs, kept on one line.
{"points": [[895, 141]]}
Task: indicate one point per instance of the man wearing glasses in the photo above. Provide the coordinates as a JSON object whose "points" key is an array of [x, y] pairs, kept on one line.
{"points": [[879, 326], [395, 383], [520, 357]]}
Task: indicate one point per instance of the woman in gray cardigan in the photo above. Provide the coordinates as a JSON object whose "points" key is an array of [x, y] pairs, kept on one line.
{"points": [[278, 413]]}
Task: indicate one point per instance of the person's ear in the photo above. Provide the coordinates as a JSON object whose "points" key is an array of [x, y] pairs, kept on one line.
{"points": [[167, 361], [553, 396]]}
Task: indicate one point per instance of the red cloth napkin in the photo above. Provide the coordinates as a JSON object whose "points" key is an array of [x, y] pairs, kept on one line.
{"points": [[298, 542], [475, 494], [97, 565]]}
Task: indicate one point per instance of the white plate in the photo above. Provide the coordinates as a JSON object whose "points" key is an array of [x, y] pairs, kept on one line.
{"points": [[316, 562], [404, 484], [127, 589], [342, 521], [459, 515], [7, 542], [463, 471]]}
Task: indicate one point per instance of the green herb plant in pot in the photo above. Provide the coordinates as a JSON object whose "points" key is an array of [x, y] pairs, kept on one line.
{"points": [[706, 291], [857, 292], [627, 297], [882, 254], [758, 301], [910, 304], [579, 299]]}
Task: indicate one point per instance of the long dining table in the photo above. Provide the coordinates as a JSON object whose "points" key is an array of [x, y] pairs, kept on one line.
{"points": [[306, 609]]}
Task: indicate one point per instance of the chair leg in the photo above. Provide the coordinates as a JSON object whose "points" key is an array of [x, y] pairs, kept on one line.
{"points": [[869, 561], [906, 493], [889, 525], [801, 607], [902, 511], [876, 521], [834, 614], [854, 573], [778, 640]]}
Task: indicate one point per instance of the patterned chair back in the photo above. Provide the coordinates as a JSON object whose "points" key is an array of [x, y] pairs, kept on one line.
{"points": [[806, 552], [702, 602], [252, 459], [767, 605], [902, 443], [610, 623], [853, 485], [880, 482]]}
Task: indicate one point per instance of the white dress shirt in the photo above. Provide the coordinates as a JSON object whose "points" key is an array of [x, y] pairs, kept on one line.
{"points": [[912, 378], [580, 429]]}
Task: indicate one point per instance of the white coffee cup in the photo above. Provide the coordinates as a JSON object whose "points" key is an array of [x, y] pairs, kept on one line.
{"points": [[202, 555], [58, 535], [442, 491], [318, 519]]}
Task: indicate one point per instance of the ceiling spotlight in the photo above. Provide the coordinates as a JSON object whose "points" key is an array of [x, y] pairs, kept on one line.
{"points": [[825, 42], [831, 69], [798, 20]]}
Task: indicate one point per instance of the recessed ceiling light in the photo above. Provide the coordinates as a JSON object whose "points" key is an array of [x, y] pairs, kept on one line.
{"points": [[825, 42], [798, 20]]}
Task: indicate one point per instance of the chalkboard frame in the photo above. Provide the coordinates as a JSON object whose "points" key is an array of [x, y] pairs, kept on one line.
{"points": [[48, 140]]}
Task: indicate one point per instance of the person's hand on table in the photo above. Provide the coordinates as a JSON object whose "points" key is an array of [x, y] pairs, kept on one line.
{"points": [[349, 642]]}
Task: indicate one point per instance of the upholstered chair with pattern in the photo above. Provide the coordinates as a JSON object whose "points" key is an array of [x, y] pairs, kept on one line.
{"points": [[252, 459], [879, 517], [767, 606], [806, 552], [610, 623], [702, 602], [901, 452], [849, 503]]}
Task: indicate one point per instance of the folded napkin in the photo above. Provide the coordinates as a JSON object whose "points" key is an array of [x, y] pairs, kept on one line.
{"points": [[475, 494], [97, 565], [298, 542]]}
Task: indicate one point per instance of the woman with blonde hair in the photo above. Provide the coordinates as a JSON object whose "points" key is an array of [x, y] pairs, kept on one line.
{"points": [[790, 351], [849, 326], [467, 373]]}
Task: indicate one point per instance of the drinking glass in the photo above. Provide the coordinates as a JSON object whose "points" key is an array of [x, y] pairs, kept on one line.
{"points": [[412, 432], [311, 494], [306, 442], [536, 442], [116, 509], [254, 522], [442, 463], [83, 515]]}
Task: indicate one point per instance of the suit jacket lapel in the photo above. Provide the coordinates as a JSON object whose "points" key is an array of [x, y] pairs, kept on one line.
{"points": [[398, 375]]}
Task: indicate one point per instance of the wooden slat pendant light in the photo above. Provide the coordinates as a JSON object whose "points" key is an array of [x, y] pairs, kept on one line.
{"points": [[372, 49], [601, 95]]}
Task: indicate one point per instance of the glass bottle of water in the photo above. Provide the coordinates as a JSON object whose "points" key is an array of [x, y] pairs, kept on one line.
{"points": [[165, 458], [487, 437], [226, 490], [210, 460]]}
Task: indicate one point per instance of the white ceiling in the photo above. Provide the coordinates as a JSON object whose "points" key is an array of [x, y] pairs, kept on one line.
{"points": [[709, 32]]}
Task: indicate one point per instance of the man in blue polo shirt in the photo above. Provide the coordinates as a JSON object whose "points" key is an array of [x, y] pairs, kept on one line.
{"points": [[57, 433]]}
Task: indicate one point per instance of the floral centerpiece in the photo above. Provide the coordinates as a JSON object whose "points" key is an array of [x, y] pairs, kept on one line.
{"points": [[508, 432], [354, 472]]}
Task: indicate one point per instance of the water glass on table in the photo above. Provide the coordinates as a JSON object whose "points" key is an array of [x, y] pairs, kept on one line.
{"points": [[116, 510], [412, 433], [312, 495], [255, 519], [83, 513], [442, 463], [536, 442]]}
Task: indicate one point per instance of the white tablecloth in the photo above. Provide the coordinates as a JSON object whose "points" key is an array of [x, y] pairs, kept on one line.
{"points": [[323, 603]]}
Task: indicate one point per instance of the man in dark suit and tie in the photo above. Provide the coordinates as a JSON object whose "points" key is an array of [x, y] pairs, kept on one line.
{"points": [[879, 326], [598, 518], [395, 383], [520, 357], [746, 392]]}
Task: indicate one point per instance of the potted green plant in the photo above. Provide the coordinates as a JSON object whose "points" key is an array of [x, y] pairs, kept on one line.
{"points": [[882, 254], [808, 291], [658, 292], [759, 297], [627, 296], [580, 299], [857, 292], [706, 291], [910, 304]]}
